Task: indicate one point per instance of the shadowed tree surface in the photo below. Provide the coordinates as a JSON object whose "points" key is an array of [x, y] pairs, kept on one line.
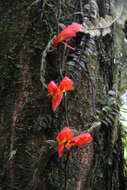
{"points": [[28, 126]]}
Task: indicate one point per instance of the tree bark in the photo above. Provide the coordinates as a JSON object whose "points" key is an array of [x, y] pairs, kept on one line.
{"points": [[28, 127]]}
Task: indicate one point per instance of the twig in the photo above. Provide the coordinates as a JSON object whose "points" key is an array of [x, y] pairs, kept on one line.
{"points": [[43, 61], [95, 125], [66, 110], [81, 7], [66, 163], [72, 15]]}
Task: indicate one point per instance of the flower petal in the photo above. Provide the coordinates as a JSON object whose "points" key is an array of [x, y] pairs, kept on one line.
{"points": [[60, 150], [68, 32], [66, 85], [64, 35], [75, 27], [65, 135], [56, 100], [82, 139], [52, 88], [67, 45], [68, 146]]}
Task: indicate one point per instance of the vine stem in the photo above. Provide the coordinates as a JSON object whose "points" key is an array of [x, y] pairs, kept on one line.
{"points": [[66, 110], [66, 163]]}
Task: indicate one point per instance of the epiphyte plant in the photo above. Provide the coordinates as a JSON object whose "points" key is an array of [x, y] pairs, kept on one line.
{"points": [[66, 140], [68, 33], [57, 91]]}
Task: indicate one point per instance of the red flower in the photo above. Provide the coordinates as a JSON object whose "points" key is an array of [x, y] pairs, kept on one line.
{"points": [[66, 85], [67, 33], [65, 136], [82, 139], [66, 140], [56, 100], [57, 92], [52, 88]]}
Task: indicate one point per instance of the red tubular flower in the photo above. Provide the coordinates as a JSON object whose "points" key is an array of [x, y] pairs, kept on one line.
{"points": [[82, 139], [67, 33], [52, 88], [57, 91], [60, 150], [64, 136], [54, 91], [66, 85], [56, 100], [66, 140]]}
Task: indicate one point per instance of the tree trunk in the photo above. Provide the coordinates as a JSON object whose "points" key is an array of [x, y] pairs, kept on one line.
{"points": [[28, 126]]}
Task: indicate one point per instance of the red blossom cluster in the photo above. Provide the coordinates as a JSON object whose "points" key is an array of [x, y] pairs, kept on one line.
{"points": [[66, 84], [66, 140], [68, 33], [57, 91]]}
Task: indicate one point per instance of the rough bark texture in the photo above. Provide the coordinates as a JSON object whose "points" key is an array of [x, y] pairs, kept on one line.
{"points": [[28, 127]]}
